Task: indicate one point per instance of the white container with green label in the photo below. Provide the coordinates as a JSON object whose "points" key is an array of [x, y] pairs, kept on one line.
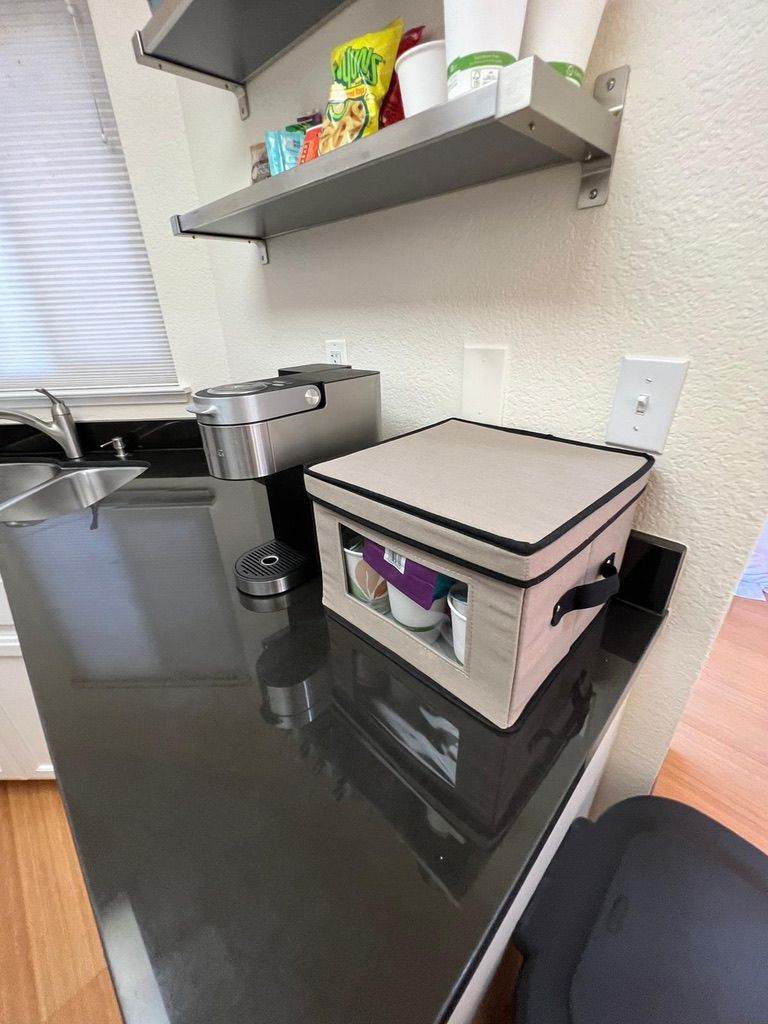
{"points": [[481, 36], [563, 33]]}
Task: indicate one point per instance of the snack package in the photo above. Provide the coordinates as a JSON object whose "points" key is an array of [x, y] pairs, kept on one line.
{"points": [[362, 70], [259, 162], [392, 107], [283, 148], [274, 152], [291, 140], [309, 149], [310, 120]]}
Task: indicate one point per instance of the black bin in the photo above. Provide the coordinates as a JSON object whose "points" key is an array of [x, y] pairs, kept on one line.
{"points": [[654, 914]]}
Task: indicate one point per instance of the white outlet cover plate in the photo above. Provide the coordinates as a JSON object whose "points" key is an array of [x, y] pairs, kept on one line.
{"points": [[482, 397], [655, 384], [336, 351]]}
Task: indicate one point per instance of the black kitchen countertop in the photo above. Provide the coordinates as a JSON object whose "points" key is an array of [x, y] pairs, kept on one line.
{"points": [[276, 823]]}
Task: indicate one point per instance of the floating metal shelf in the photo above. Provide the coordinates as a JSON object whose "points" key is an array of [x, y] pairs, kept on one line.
{"points": [[533, 118], [224, 42]]}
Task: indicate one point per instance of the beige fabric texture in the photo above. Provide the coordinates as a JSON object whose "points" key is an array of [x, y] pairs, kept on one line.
{"points": [[511, 485], [511, 645], [542, 646]]}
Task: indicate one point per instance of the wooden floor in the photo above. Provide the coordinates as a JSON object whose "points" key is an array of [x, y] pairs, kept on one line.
{"points": [[52, 968], [718, 759]]}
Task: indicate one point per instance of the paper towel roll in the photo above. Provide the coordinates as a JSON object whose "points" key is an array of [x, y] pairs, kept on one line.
{"points": [[481, 36], [562, 32]]}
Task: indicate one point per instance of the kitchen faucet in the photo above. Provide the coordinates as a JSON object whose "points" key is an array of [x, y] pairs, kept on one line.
{"points": [[61, 429]]}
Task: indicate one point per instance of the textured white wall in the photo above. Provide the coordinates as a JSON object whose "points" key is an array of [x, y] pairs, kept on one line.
{"points": [[674, 265]]}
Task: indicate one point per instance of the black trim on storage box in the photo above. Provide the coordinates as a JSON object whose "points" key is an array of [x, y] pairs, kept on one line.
{"points": [[508, 544], [490, 573]]}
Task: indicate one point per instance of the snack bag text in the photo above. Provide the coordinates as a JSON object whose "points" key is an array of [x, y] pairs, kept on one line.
{"points": [[362, 70]]}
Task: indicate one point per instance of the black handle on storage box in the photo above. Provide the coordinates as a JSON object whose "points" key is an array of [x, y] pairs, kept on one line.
{"points": [[589, 595]]}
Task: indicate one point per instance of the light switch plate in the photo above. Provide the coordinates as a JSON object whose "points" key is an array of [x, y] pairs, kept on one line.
{"points": [[645, 401], [482, 396]]}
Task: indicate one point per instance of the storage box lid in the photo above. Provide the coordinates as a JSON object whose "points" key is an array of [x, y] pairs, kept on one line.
{"points": [[511, 488]]}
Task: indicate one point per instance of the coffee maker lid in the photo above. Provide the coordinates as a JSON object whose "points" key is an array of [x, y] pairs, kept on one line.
{"points": [[248, 387], [254, 401]]}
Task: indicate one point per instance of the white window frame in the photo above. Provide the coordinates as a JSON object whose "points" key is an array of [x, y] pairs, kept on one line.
{"points": [[150, 394]]}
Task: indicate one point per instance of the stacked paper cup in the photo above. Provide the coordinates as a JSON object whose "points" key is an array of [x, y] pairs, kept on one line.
{"points": [[481, 36], [563, 32]]}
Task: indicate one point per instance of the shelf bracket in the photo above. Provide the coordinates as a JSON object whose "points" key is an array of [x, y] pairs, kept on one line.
{"points": [[611, 91], [260, 244], [161, 64], [261, 249]]}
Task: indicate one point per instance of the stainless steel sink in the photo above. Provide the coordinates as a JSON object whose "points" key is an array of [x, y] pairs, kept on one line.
{"points": [[33, 491], [18, 477]]}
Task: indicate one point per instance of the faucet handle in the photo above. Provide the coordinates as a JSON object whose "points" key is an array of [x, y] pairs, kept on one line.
{"points": [[51, 398]]}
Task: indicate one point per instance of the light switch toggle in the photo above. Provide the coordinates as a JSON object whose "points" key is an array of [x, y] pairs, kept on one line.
{"points": [[641, 405]]}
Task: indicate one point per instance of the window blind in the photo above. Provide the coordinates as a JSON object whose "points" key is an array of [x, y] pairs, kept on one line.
{"points": [[78, 307]]}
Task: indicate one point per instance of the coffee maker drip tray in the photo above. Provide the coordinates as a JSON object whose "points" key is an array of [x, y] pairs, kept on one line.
{"points": [[271, 568]]}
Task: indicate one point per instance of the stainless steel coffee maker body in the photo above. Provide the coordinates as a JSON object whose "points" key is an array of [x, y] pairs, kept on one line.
{"points": [[269, 430], [253, 429]]}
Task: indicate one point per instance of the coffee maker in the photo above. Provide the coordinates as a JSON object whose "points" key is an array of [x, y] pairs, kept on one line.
{"points": [[268, 430]]}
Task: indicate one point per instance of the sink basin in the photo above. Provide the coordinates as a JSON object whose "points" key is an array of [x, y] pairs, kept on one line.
{"points": [[33, 491], [18, 477]]}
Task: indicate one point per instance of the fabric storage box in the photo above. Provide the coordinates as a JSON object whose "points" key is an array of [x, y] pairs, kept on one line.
{"points": [[535, 526]]}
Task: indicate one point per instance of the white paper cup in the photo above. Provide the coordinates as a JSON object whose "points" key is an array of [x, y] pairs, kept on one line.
{"points": [[481, 36], [426, 622], [421, 73], [457, 602], [562, 33], [364, 582]]}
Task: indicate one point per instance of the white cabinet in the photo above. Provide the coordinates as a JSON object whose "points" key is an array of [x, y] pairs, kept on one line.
{"points": [[23, 753]]}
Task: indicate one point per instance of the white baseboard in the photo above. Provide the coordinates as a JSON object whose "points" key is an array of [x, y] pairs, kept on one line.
{"points": [[9, 643]]}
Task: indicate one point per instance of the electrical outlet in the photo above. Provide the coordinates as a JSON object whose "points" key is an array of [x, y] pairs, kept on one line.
{"points": [[336, 352]]}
